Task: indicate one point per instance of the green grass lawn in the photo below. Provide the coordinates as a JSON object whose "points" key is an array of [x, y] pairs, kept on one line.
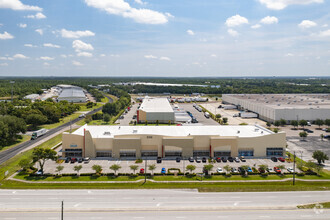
{"points": [[62, 121], [201, 186], [18, 141], [12, 166], [323, 205]]}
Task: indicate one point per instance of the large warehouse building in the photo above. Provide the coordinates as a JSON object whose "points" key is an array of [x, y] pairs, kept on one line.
{"points": [[71, 94], [172, 141], [272, 107], [155, 109]]}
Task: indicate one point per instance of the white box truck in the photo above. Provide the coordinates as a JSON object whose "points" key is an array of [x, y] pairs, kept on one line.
{"points": [[38, 133], [248, 115]]}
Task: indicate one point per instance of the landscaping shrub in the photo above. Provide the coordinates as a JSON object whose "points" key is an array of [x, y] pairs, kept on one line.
{"points": [[87, 174], [264, 174], [300, 174], [139, 161], [176, 169], [228, 175]]}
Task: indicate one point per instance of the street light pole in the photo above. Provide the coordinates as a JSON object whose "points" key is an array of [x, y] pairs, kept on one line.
{"points": [[294, 168], [145, 171], [62, 211]]}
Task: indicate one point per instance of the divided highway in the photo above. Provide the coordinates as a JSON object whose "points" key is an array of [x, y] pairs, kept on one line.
{"points": [[11, 152]]}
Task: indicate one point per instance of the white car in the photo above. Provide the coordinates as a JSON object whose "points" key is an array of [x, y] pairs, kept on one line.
{"points": [[290, 170], [237, 160], [219, 170]]}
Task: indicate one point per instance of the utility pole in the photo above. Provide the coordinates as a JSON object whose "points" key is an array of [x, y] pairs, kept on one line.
{"points": [[12, 90], [294, 167], [145, 171], [62, 211], [183, 168]]}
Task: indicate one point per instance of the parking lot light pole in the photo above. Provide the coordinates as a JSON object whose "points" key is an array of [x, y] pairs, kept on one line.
{"points": [[183, 168], [62, 211], [294, 167], [145, 171]]}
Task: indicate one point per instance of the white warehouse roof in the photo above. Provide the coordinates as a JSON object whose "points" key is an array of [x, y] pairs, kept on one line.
{"points": [[156, 105], [181, 131]]}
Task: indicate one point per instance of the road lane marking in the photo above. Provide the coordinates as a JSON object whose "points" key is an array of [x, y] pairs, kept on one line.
{"points": [[76, 205]]}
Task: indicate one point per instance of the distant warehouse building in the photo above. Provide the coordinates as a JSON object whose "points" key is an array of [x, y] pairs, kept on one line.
{"points": [[155, 109], [172, 141], [272, 107], [71, 94]]}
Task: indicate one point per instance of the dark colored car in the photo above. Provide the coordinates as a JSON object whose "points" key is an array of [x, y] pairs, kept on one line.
{"points": [[178, 159], [204, 159], [80, 160], [159, 160], [191, 159], [73, 160], [68, 159], [309, 131], [224, 159], [218, 159], [281, 159], [242, 159], [274, 159], [230, 159]]}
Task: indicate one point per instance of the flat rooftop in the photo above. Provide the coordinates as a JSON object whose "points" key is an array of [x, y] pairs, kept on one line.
{"points": [[151, 104], [287, 101], [75, 92], [175, 131]]}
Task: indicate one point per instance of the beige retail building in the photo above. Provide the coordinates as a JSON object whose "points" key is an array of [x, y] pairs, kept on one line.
{"points": [[172, 141]]}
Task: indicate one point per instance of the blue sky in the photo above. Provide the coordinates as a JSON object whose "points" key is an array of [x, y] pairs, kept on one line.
{"points": [[186, 38]]}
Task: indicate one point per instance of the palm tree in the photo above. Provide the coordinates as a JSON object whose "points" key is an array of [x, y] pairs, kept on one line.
{"points": [[97, 169], [115, 168], [77, 169]]}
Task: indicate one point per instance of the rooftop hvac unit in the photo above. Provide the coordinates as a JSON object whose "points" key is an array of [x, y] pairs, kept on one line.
{"points": [[107, 133], [238, 132], [135, 131]]}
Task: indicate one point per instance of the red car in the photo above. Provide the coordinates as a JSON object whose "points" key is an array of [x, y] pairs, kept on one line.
{"points": [[277, 170], [142, 171], [281, 159]]}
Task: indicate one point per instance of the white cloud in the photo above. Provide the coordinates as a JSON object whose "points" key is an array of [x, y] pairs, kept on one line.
{"points": [[3, 58], [289, 55], [29, 45], [20, 56], [39, 15], [51, 45], [150, 57], [140, 2], [213, 55], [76, 34], [256, 26], [114, 55], [236, 20], [233, 32], [190, 32], [307, 24], [269, 20], [76, 63], [325, 25], [40, 31], [6, 36], [3, 64], [18, 6], [281, 4], [46, 64], [122, 8], [325, 33], [79, 45], [47, 58], [84, 54], [64, 56], [102, 55], [169, 15], [165, 58], [22, 25]]}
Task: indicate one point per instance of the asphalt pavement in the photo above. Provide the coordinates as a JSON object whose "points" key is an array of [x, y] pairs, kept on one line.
{"points": [[165, 204], [11, 152]]}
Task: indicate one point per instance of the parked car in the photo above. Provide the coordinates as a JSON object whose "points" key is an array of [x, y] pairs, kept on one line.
{"points": [[274, 159], [224, 159], [73, 160], [249, 170], [237, 160], [261, 170], [218, 159], [80, 160], [178, 159], [68, 159], [142, 171], [269, 170], [230, 159], [198, 160], [281, 159], [159, 160], [290, 170], [309, 131], [242, 159], [326, 136], [163, 170], [86, 160], [191, 159], [39, 172], [219, 170], [204, 159], [234, 170], [277, 170]]}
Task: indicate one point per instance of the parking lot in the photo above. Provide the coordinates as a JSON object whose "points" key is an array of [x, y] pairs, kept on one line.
{"points": [[50, 166], [202, 120]]}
